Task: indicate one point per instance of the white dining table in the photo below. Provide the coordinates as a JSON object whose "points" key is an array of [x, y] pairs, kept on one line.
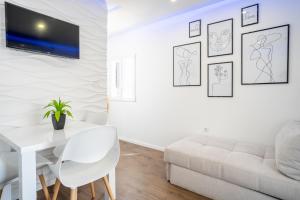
{"points": [[27, 141]]}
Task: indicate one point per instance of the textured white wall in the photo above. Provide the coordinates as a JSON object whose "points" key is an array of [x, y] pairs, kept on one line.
{"points": [[29, 80], [163, 114]]}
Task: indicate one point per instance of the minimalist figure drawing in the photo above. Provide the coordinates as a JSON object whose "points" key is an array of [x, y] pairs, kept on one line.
{"points": [[263, 55], [185, 64]]}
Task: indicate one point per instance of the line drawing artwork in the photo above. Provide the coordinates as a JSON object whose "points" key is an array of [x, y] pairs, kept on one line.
{"points": [[262, 54], [194, 29], [220, 41], [185, 64], [221, 75]]}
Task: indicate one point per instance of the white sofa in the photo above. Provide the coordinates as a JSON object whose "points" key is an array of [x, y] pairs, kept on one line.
{"points": [[224, 169]]}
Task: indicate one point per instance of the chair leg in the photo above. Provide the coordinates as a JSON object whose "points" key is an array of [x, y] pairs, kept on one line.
{"points": [[73, 195], [44, 186], [92, 185], [0, 193], [56, 189], [108, 188]]}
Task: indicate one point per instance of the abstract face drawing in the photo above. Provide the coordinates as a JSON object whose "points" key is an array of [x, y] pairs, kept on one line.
{"points": [[220, 41]]}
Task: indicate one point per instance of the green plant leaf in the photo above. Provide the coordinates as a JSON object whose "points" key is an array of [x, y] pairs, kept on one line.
{"points": [[49, 105], [67, 106], [47, 114], [55, 103], [69, 113], [57, 115], [59, 107]]}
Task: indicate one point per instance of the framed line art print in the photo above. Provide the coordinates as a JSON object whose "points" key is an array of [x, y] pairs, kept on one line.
{"points": [[220, 79], [265, 56], [220, 38], [187, 65], [250, 15], [195, 28]]}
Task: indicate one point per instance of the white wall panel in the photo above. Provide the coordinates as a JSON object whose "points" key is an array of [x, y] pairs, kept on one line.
{"points": [[29, 80]]}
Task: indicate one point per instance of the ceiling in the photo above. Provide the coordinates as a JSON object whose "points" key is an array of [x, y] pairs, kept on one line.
{"points": [[127, 14]]}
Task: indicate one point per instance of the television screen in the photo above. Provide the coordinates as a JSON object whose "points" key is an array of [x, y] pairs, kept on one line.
{"points": [[32, 31]]}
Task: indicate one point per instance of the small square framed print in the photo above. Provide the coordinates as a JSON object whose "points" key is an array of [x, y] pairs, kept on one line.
{"points": [[250, 15], [195, 28]]}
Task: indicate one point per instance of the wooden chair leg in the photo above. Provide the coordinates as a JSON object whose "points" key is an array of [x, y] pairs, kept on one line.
{"points": [[0, 193], [73, 195], [92, 185], [56, 189], [108, 188], [44, 186]]}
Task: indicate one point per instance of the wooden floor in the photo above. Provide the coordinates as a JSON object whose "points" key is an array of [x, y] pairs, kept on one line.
{"points": [[140, 176]]}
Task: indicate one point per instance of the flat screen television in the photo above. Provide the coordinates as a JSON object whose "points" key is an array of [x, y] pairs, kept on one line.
{"points": [[32, 31]]}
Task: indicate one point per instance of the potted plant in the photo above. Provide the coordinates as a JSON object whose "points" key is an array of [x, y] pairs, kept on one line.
{"points": [[59, 110]]}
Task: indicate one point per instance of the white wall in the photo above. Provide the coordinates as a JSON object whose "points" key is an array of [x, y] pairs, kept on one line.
{"points": [[162, 114], [28, 81]]}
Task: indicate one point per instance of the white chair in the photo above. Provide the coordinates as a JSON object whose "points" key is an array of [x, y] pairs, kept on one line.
{"points": [[87, 157], [99, 118], [9, 174]]}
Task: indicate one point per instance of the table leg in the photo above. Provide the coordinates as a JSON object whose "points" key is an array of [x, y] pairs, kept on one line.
{"points": [[27, 175], [112, 182]]}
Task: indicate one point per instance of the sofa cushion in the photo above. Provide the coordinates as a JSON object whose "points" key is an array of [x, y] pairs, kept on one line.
{"points": [[248, 165], [209, 160], [287, 146], [241, 169]]}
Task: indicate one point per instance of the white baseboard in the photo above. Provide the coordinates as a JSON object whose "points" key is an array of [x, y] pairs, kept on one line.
{"points": [[144, 144]]}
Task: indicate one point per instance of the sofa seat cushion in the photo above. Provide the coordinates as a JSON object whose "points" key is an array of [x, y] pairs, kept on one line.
{"points": [[209, 160], [248, 165]]}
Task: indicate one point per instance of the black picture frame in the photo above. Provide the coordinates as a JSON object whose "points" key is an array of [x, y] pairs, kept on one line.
{"points": [[243, 12], [288, 56], [208, 42], [190, 23], [200, 52], [208, 80]]}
